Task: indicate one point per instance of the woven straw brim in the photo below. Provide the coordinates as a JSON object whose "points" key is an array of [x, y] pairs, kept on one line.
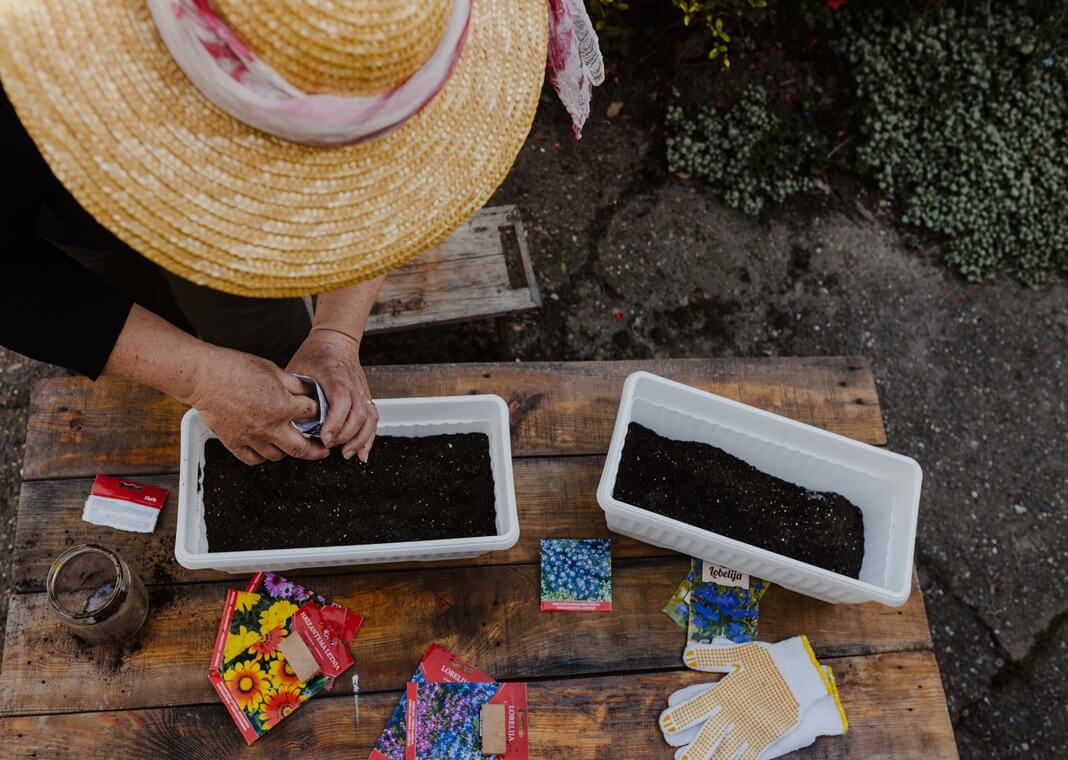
{"points": [[226, 206]]}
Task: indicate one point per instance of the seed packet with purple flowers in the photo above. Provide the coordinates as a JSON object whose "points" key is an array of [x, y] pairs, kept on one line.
{"points": [[438, 665], [576, 575], [447, 724], [249, 669]]}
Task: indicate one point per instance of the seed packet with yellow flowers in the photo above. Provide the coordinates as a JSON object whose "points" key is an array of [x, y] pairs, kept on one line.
{"points": [[248, 669]]}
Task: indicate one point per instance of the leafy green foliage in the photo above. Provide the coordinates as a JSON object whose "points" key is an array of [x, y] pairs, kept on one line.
{"points": [[716, 17], [963, 120], [757, 158]]}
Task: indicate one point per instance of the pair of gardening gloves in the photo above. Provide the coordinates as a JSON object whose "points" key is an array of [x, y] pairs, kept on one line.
{"points": [[774, 698]]}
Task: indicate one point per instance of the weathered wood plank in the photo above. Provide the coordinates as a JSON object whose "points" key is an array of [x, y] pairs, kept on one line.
{"points": [[77, 428], [486, 615], [556, 498], [464, 277], [894, 702]]}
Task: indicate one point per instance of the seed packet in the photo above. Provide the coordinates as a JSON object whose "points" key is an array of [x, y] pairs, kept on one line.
{"points": [[576, 575], [678, 604], [723, 603], [448, 725], [124, 504], [714, 601], [248, 670], [312, 427], [437, 666]]}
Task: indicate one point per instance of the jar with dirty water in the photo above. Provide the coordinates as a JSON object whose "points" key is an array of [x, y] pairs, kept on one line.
{"points": [[96, 596]]}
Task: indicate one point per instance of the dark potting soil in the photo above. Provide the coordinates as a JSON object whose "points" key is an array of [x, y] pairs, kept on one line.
{"points": [[703, 485], [412, 489]]}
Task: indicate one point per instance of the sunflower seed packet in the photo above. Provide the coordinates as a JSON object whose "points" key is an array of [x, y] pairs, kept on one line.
{"points": [[248, 669], [576, 575]]}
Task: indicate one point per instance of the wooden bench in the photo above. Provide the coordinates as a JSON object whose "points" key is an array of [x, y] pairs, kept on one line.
{"points": [[598, 681], [481, 271]]}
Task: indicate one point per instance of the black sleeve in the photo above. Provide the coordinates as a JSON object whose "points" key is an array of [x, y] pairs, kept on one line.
{"points": [[51, 308]]}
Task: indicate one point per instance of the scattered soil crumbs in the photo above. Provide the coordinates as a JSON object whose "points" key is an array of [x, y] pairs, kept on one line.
{"points": [[705, 486], [110, 659], [412, 489]]}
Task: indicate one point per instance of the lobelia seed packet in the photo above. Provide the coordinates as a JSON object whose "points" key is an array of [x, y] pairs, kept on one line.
{"points": [[447, 720], [576, 575], [438, 665], [248, 669], [714, 601]]}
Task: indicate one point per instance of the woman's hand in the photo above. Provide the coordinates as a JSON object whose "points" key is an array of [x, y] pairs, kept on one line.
{"points": [[333, 358], [249, 403]]}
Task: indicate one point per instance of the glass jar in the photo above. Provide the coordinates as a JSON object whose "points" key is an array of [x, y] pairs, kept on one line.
{"points": [[96, 596]]}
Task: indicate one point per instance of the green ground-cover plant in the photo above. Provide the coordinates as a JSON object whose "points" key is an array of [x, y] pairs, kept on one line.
{"points": [[718, 19], [963, 120], [755, 157], [959, 114]]}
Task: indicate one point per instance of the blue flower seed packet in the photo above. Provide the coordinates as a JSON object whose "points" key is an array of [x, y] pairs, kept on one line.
{"points": [[576, 575]]}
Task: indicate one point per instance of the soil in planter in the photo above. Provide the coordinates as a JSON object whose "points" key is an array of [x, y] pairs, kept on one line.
{"points": [[705, 486], [412, 489]]}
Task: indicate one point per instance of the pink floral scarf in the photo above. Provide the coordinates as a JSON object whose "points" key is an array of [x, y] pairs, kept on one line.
{"points": [[246, 88]]}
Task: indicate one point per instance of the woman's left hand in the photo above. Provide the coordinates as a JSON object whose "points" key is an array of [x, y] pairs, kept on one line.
{"points": [[333, 358]]}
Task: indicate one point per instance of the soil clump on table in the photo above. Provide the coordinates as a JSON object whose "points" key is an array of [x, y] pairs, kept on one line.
{"points": [[411, 489], [703, 485]]}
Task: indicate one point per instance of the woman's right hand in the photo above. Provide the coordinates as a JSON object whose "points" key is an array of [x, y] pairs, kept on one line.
{"points": [[249, 403]]}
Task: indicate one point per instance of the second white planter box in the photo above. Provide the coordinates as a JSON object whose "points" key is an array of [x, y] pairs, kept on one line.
{"points": [[413, 417], [885, 486]]}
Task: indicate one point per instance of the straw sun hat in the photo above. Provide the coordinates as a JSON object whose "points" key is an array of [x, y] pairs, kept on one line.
{"points": [[228, 205]]}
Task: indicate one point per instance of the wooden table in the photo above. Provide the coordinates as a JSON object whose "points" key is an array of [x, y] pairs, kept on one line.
{"points": [[598, 681]]}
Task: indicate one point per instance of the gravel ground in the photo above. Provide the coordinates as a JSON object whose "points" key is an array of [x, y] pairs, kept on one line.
{"points": [[972, 378]]}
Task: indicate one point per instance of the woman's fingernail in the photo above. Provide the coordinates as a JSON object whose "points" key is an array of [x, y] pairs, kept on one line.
{"points": [[364, 454], [328, 439], [347, 454]]}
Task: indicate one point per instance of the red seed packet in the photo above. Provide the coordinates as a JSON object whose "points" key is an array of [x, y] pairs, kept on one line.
{"points": [[438, 665], [124, 504], [444, 720], [248, 670]]}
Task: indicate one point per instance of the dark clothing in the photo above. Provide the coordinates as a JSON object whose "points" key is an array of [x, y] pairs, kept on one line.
{"points": [[51, 308], [69, 284]]}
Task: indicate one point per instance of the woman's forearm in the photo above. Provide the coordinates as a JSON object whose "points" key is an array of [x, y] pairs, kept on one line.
{"points": [[248, 402], [346, 310], [154, 352]]}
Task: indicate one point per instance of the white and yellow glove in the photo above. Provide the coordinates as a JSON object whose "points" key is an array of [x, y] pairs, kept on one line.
{"points": [[775, 698]]}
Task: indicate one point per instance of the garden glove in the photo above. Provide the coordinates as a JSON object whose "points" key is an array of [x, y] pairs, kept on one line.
{"points": [[825, 717], [762, 699]]}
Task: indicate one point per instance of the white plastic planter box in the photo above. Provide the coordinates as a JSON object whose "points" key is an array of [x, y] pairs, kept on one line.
{"points": [[415, 417], [884, 485]]}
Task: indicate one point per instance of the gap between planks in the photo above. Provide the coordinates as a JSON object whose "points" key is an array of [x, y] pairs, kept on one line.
{"points": [[78, 428], [485, 616], [895, 703]]}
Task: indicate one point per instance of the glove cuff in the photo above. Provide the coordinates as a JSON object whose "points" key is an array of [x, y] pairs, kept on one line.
{"points": [[801, 670]]}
